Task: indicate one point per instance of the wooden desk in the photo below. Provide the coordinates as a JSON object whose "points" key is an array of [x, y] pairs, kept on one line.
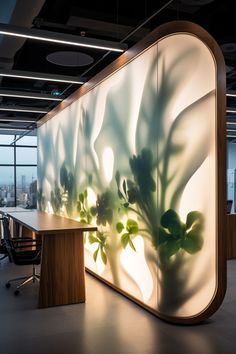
{"points": [[6, 210], [15, 231], [62, 262]]}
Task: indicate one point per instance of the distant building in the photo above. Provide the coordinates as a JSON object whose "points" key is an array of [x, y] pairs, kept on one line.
{"points": [[33, 194], [23, 183]]}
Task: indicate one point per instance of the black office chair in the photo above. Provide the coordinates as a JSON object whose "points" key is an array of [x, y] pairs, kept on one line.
{"points": [[229, 206], [3, 250], [21, 251]]}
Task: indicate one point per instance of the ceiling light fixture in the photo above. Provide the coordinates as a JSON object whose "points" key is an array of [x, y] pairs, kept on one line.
{"points": [[6, 93], [61, 38], [19, 109], [17, 120], [230, 111], [13, 129], [36, 76]]}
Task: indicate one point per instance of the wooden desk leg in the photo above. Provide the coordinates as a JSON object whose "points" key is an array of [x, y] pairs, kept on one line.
{"points": [[62, 278]]}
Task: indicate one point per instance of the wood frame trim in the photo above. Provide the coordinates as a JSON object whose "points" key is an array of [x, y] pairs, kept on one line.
{"points": [[156, 35]]}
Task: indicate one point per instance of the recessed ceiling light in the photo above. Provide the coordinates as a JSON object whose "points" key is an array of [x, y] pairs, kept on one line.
{"points": [[69, 58], [61, 38], [228, 48]]}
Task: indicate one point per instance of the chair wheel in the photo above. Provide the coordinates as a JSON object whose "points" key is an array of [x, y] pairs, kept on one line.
{"points": [[7, 285], [16, 292]]}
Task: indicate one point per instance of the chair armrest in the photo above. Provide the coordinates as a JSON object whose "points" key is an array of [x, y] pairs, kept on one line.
{"points": [[22, 240], [18, 244]]}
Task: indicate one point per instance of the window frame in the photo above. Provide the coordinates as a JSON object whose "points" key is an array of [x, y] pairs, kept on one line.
{"points": [[15, 165]]}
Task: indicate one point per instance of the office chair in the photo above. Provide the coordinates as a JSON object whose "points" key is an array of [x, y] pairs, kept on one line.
{"points": [[3, 250], [21, 251], [229, 206]]}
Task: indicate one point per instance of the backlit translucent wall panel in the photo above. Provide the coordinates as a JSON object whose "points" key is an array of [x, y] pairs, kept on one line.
{"points": [[136, 155]]}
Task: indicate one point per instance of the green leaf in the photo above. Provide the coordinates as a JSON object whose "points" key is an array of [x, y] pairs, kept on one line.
{"points": [[117, 178], [93, 211], [82, 214], [126, 205], [132, 195], [81, 197], [92, 238], [192, 217], [119, 227], [124, 186], [197, 228], [83, 221], [85, 194], [162, 235], [168, 217], [176, 229], [125, 239], [131, 244], [101, 237], [120, 195], [103, 256], [169, 248], [95, 255], [78, 206], [192, 243], [132, 226]]}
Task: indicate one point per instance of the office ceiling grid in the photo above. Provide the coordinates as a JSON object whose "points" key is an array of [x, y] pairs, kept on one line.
{"points": [[104, 21]]}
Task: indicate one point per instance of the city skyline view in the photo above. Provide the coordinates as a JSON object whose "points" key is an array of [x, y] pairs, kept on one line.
{"points": [[18, 171]]}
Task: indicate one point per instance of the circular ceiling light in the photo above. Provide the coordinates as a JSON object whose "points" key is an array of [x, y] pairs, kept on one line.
{"points": [[196, 2], [228, 48], [67, 58]]}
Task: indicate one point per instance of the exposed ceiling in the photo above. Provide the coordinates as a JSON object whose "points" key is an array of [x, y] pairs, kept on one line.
{"points": [[106, 20]]}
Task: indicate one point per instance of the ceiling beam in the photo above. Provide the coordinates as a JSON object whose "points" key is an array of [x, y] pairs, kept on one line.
{"points": [[34, 96], [62, 38], [40, 76]]}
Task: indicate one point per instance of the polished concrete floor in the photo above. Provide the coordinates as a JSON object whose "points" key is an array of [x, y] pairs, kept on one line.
{"points": [[107, 324]]}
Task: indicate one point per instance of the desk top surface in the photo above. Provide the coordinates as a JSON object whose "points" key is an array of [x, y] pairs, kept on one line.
{"points": [[42, 223], [6, 210]]}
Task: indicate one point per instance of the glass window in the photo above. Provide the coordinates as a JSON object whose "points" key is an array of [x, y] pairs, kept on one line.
{"points": [[6, 139], [26, 156], [26, 187], [7, 189], [6, 155], [27, 140]]}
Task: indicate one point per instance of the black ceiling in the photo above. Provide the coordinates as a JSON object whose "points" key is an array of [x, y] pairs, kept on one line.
{"points": [[107, 20]]}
